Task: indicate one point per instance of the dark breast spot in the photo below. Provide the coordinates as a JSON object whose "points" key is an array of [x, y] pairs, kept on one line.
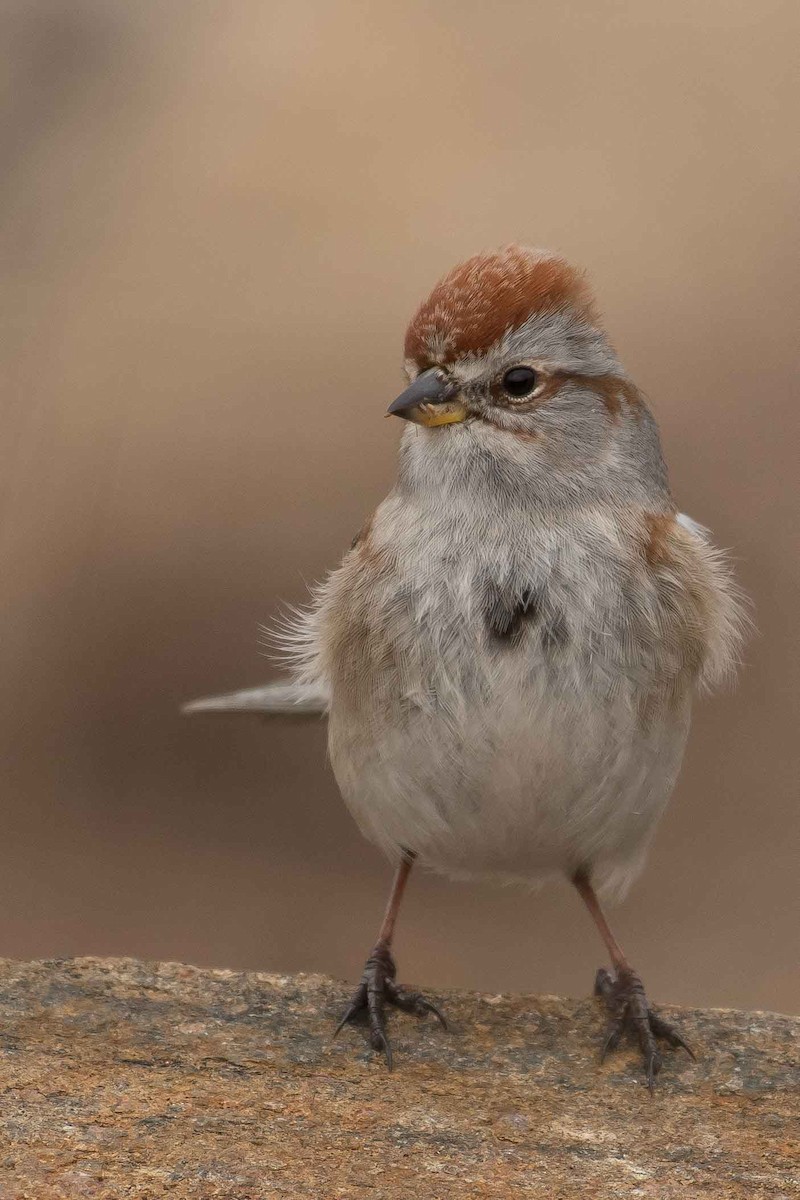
{"points": [[507, 616]]}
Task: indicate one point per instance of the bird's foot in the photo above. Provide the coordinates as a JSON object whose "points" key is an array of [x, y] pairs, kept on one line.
{"points": [[377, 989], [628, 1009]]}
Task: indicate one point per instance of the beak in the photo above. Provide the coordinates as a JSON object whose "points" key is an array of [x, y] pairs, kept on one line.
{"points": [[430, 400]]}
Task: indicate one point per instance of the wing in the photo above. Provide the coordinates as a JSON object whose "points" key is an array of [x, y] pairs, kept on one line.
{"points": [[703, 610], [274, 699]]}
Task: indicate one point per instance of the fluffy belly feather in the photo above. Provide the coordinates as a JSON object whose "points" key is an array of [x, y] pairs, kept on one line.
{"points": [[530, 780], [504, 712]]}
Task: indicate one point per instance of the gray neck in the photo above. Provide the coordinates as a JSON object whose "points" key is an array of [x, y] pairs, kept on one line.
{"points": [[576, 455]]}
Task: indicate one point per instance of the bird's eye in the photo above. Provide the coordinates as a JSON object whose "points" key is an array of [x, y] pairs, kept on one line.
{"points": [[519, 382]]}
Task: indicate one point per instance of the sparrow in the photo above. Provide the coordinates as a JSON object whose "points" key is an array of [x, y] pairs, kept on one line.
{"points": [[508, 653]]}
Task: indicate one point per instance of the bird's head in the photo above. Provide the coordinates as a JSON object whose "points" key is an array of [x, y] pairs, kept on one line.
{"points": [[506, 338]]}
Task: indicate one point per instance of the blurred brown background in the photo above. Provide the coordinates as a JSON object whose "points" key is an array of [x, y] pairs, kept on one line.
{"points": [[216, 220]]}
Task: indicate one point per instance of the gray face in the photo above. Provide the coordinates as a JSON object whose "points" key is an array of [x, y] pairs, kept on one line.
{"points": [[528, 367], [549, 410]]}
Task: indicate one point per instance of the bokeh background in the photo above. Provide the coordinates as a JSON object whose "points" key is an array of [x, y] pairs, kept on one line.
{"points": [[216, 221]]}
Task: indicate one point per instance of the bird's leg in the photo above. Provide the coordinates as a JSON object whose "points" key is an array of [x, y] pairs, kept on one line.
{"points": [[377, 987], [624, 995]]}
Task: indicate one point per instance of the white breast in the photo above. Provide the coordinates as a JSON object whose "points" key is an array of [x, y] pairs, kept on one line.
{"points": [[515, 762]]}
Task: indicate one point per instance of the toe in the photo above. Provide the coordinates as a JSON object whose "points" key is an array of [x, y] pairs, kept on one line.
{"points": [[650, 1052], [652, 1066], [412, 1002], [376, 990], [431, 1008], [604, 983], [612, 1040], [625, 999], [380, 1042], [662, 1029], [357, 1004]]}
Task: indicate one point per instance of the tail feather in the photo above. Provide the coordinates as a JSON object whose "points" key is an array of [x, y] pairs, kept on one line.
{"points": [[295, 699]]}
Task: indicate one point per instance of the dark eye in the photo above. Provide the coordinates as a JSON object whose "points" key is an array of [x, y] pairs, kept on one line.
{"points": [[519, 382]]}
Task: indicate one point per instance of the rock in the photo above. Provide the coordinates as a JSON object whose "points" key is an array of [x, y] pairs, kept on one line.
{"points": [[151, 1080]]}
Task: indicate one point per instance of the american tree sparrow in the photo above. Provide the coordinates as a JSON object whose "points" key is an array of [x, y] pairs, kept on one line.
{"points": [[508, 653]]}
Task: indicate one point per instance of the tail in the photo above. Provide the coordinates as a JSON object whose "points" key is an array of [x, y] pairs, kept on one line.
{"points": [[304, 694], [274, 699]]}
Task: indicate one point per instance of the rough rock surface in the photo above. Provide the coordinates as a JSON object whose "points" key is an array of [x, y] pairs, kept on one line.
{"points": [[150, 1080]]}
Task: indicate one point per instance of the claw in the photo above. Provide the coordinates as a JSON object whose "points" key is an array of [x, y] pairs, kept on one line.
{"points": [[411, 1002], [376, 989], [651, 1073], [612, 1041], [652, 1066], [431, 1008], [380, 1042], [628, 1008], [670, 1035], [352, 1008], [345, 1019]]}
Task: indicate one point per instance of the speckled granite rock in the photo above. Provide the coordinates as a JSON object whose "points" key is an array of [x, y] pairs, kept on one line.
{"points": [[150, 1080]]}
